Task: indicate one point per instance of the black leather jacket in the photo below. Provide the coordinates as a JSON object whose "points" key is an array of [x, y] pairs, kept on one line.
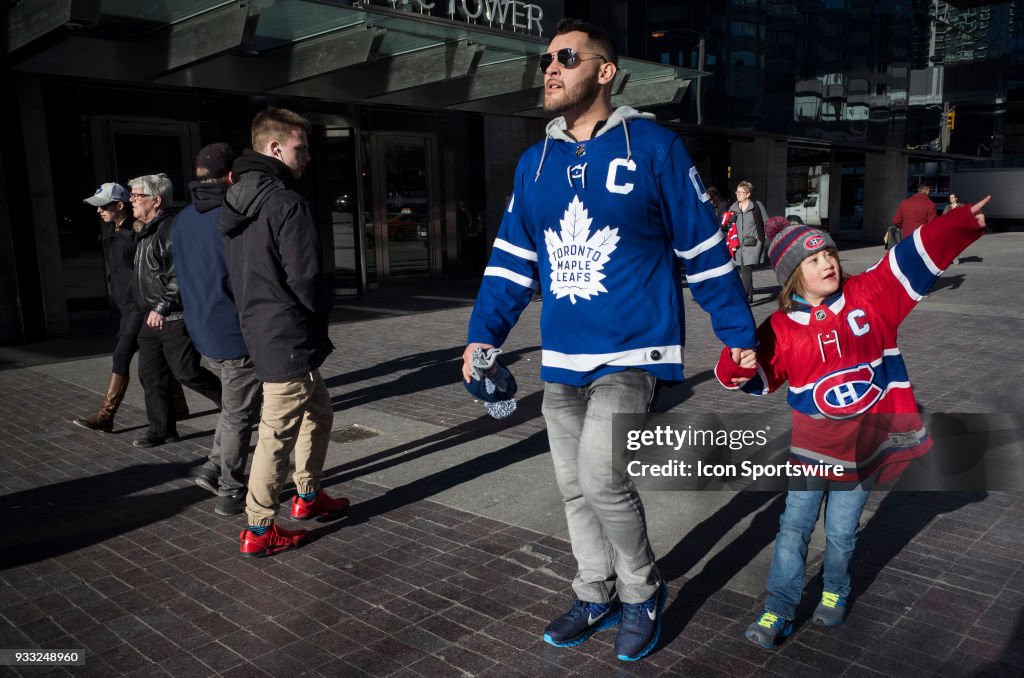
{"points": [[154, 283]]}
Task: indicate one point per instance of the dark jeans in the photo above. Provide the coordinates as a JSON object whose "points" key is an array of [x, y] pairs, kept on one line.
{"points": [[241, 396], [747, 276], [164, 353], [127, 345]]}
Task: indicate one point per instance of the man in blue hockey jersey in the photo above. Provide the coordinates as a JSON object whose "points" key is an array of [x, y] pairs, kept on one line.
{"points": [[603, 212]]}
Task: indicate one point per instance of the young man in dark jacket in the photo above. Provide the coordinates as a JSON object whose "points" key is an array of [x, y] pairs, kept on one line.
{"points": [[212, 320], [273, 254], [164, 344]]}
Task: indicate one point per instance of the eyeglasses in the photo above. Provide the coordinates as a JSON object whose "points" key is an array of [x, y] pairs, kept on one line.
{"points": [[136, 196], [567, 57]]}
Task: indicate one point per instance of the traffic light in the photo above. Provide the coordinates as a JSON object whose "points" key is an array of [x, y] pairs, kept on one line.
{"points": [[950, 119]]}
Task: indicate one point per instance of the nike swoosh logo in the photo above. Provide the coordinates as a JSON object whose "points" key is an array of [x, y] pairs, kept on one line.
{"points": [[652, 614], [591, 618]]}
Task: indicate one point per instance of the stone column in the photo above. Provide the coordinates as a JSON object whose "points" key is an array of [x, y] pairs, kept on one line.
{"points": [[885, 184]]}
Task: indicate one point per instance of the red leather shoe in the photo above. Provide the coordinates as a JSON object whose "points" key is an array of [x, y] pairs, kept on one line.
{"points": [[274, 540], [322, 505]]}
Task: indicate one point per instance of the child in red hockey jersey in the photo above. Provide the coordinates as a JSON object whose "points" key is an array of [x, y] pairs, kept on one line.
{"points": [[834, 340]]}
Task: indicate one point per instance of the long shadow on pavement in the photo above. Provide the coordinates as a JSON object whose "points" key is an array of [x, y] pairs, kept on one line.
{"points": [[47, 522], [435, 369], [898, 520], [727, 563], [528, 408], [435, 483]]}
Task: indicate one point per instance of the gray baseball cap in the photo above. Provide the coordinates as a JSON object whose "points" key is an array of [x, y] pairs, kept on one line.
{"points": [[108, 193]]}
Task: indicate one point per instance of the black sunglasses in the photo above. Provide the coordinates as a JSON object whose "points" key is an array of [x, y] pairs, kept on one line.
{"points": [[567, 56]]}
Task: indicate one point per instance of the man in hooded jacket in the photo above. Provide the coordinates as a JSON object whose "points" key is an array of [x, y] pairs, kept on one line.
{"points": [[274, 260], [212, 320]]}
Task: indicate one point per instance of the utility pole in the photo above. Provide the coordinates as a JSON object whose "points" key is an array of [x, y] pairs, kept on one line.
{"points": [[700, 82], [945, 126]]}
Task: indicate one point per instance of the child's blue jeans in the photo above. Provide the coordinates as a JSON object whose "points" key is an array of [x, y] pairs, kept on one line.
{"points": [[842, 515]]}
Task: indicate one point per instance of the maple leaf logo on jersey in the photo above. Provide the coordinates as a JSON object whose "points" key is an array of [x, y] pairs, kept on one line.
{"points": [[577, 257]]}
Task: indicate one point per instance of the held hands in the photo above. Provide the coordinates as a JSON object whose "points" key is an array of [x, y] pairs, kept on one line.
{"points": [[736, 366], [744, 357], [467, 360], [976, 209]]}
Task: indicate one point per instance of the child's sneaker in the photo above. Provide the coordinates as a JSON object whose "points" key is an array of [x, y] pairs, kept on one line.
{"points": [[581, 621], [831, 611], [641, 626], [768, 630]]}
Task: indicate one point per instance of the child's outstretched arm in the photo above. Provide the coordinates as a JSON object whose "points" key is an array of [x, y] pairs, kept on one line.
{"points": [[944, 240], [917, 262]]}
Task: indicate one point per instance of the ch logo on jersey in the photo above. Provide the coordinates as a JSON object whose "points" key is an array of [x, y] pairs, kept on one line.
{"points": [[847, 393]]}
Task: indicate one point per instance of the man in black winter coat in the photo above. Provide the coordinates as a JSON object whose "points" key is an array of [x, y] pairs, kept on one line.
{"points": [[165, 347], [274, 260]]}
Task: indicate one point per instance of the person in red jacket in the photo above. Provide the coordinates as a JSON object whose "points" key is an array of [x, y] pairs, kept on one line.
{"points": [[915, 211]]}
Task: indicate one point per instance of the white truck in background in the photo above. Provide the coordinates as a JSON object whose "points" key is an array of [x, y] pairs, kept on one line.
{"points": [[812, 210], [971, 185]]}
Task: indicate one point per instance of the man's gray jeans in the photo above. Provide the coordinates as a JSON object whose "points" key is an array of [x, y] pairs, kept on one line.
{"points": [[607, 526], [240, 411]]}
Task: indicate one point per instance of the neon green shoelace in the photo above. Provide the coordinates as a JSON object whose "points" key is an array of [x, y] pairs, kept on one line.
{"points": [[768, 620], [829, 599]]}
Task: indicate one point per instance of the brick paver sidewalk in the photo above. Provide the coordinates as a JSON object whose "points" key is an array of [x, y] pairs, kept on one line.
{"points": [[113, 550]]}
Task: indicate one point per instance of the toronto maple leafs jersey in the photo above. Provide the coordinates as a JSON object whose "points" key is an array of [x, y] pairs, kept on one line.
{"points": [[603, 227], [848, 385]]}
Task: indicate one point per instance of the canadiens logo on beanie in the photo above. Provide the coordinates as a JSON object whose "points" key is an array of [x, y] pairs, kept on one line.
{"points": [[789, 244]]}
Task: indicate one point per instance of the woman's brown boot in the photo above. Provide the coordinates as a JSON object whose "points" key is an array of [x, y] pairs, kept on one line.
{"points": [[104, 419]]}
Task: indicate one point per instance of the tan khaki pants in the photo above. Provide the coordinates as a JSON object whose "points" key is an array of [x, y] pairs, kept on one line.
{"points": [[297, 415]]}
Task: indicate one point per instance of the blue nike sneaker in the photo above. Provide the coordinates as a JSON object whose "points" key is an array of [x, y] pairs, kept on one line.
{"points": [[582, 621], [641, 626]]}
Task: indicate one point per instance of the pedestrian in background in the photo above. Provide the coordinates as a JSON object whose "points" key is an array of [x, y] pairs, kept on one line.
{"points": [[717, 203], [212, 321], [119, 238], [165, 348], [604, 213], [954, 202], [272, 248], [750, 216], [914, 212]]}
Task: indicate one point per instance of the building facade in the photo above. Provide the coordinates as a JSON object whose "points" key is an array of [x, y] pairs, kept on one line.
{"points": [[832, 108]]}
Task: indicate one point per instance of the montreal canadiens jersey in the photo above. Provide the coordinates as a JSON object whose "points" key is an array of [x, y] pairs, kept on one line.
{"points": [[848, 385], [603, 228]]}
